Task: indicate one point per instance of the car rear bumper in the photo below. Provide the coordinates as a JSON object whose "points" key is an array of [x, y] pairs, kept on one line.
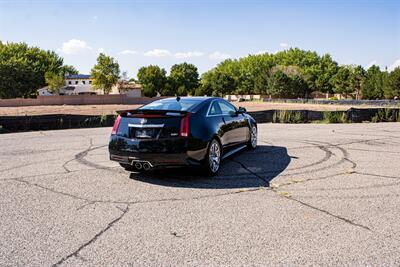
{"points": [[159, 153], [155, 160]]}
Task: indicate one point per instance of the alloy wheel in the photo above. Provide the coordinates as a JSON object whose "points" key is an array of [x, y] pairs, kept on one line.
{"points": [[214, 156], [253, 137]]}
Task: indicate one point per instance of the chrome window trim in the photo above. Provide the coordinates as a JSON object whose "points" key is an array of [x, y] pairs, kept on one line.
{"points": [[229, 104], [145, 125], [209, 108]]}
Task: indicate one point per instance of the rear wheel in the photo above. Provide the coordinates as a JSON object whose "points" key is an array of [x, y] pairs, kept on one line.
{"points": [[252, 144], [213, 158]]}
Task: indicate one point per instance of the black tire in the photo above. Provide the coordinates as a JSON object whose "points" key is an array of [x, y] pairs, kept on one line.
{"points": [[252, 144], [212, 161]]}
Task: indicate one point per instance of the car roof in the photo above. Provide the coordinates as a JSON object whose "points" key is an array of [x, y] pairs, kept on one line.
{"points": [[194, 97], [195, 108]]}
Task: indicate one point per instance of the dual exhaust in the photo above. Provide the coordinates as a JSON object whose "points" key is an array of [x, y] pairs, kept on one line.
{"points": [[145, 165]]}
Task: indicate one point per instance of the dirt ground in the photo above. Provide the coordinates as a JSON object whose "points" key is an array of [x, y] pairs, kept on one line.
{"points": [[111, 109]]}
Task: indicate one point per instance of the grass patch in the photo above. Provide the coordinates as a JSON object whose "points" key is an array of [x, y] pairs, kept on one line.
{"points": [[287, 116], [386, 115], [334, 117]]}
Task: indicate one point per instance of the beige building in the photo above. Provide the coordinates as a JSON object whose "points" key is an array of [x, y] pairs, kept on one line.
{"points": [[81, 84]]}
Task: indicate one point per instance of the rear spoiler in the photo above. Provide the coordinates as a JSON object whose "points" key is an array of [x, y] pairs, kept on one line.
{"points": [[151, 113]]}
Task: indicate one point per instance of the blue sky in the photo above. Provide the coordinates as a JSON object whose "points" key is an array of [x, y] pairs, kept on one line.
{"points": [[203, 32]]}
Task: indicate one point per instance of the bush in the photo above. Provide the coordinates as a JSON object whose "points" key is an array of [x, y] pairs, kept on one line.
{"points": [[335, 117], [386, 115], [287, 116]]}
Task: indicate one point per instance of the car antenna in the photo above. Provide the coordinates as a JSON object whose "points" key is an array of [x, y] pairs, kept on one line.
{"points": [[178, 98]]}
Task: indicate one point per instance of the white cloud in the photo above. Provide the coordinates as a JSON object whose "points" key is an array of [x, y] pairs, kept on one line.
{"points": [[74, 47], [373, 62], [284, 45], [95, 17], [394, 65], [100, 50], [157, 53], [128, 52], [262, 52], [188, 54], [219, 56]]}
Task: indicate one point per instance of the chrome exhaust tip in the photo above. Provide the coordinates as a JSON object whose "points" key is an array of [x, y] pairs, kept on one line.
{"points": [[138, 165], [146, 166]]}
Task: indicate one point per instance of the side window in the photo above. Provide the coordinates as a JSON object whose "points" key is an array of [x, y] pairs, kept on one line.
{"points": [[226, 108], [214, 109]]}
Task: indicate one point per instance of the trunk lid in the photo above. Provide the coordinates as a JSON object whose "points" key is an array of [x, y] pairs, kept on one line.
{"points": [[150, 124]]}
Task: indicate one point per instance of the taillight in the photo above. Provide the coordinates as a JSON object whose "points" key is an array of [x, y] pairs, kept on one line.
{"points": [[116, 124], [185, 126]]}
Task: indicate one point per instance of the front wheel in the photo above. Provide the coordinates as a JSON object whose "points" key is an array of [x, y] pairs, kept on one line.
{"points": [[213, 158], [252, 144]]}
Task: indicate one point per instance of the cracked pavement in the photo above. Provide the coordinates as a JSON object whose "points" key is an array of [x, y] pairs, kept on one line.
{"points": [[310, 194]]}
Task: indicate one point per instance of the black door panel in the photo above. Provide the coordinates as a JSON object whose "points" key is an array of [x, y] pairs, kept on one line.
{"points": [[235, 124]]}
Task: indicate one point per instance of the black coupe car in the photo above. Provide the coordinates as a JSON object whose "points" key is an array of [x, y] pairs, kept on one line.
{"points": [[181, 131]]}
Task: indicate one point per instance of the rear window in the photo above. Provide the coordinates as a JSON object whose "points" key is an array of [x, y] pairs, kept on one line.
{"points": [[172, 104]]}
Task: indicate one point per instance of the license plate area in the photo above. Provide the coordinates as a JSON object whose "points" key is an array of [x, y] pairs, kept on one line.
{"points": [[144, 133]]}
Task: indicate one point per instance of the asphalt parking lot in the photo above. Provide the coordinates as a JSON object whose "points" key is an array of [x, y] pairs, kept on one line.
{"points": [[310, 194]]}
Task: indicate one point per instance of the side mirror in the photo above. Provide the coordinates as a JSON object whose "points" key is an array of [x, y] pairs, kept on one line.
{"points": [[241, 110]]}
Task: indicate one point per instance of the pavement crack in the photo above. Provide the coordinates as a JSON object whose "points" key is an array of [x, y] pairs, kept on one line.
{"points": [[326, 212], [90, 201], [93, 239], [378, 175], [51, 190], [86, 204], [251, 172]]}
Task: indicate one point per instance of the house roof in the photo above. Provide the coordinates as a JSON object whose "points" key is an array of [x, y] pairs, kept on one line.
{"points": [[78, 76]]}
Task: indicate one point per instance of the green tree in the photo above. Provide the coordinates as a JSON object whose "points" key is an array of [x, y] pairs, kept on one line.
{"points": [[299, 87], [153, 79], [207, 84], [279, 85], [327, 68], [342, 81], [393, 84], [357, 80], [68, 69], [23, 68], [54, 81], [373, 84], [183, 79], [251, 74], [105, 73]]}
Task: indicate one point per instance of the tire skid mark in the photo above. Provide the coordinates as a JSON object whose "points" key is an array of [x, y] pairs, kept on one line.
{"points": [[379, 175], [377, 151], [345, 158], [313, 207], [344, 188], [328, 155], [352, 197]]}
